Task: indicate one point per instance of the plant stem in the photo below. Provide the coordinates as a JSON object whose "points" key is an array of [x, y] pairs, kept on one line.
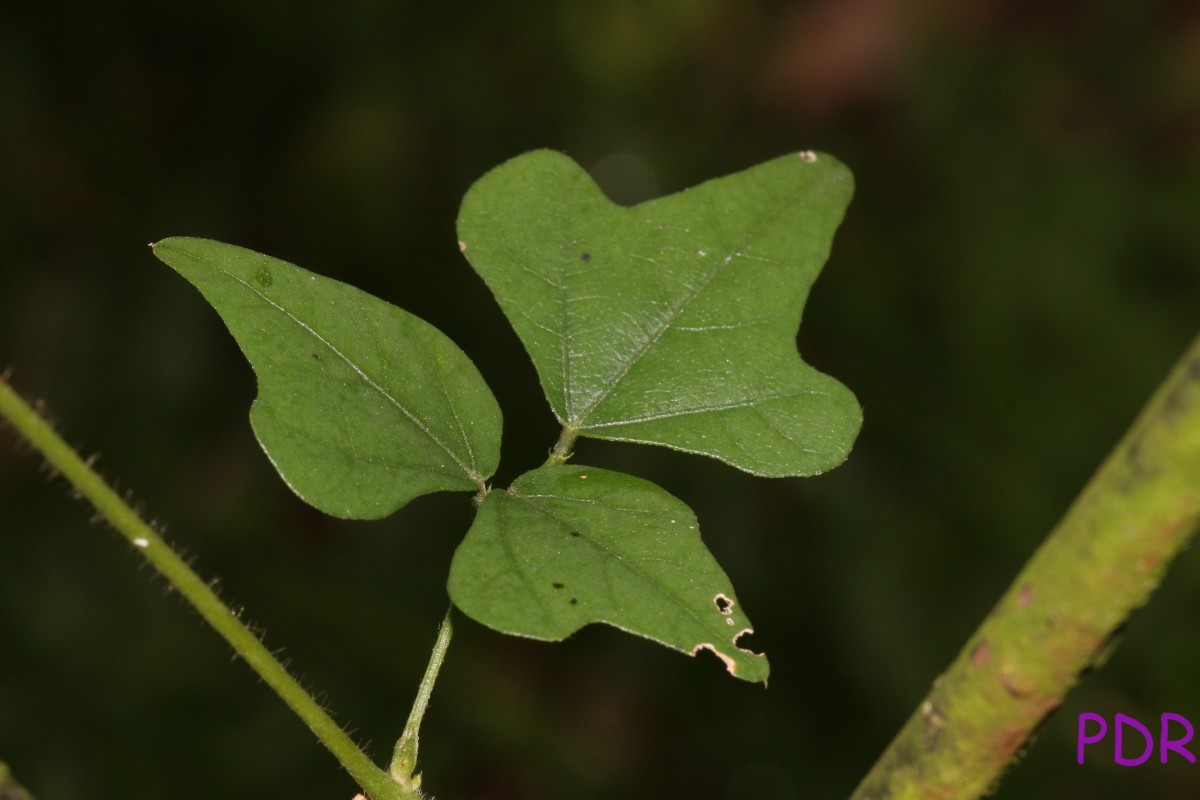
{"points": [[404, 760], [9, 788], [562, 448], [224, 620], [1061, 614]]}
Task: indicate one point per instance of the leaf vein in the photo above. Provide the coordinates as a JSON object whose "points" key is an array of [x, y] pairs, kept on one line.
{"points": [[577, 420], [629, 564], [353, 366], [748, 403]]}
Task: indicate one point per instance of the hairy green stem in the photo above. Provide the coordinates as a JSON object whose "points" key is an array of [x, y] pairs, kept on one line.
{"points": [[404, 760], [377, 783], [562, 448], [1061, 614], [9, 788]]}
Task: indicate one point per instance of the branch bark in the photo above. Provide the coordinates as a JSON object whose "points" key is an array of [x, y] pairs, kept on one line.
{"points": [[145, 539], [1057, 620]]}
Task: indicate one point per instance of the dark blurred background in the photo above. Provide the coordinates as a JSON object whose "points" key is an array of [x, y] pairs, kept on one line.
{"points": [[1020, 268]]}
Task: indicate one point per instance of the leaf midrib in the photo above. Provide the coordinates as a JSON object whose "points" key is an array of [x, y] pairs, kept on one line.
{"points": [[578, 421], [752, 402]]}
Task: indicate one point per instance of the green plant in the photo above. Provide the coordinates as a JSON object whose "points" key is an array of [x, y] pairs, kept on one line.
{"points": [[668, 323], [671, 323]]}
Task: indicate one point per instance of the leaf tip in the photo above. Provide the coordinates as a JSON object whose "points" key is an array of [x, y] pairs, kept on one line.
{"points": [[164, 245], [833, 168]]}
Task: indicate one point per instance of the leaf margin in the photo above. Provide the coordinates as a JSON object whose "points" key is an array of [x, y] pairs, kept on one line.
{"points": [[466, 581], [438, 348]]}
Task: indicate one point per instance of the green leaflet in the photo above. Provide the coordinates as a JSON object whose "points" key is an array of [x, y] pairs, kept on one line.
{"points": [[672, 322], [361, 405], [571, 545]]}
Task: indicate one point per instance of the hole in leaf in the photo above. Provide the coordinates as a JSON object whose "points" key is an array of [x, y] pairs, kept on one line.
{"points": [[585, 257], [723, 604], [557, 585], [574, 533], [739, 641], [574, 601], [730, 666]]}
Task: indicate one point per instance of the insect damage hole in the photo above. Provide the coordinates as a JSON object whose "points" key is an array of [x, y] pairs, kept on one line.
{"points": [[739, 641], [730, 664], [723, 604]]}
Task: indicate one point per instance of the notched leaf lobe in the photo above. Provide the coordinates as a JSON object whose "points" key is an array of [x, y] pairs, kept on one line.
{"points": [[672, 322], [629, 551]]}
